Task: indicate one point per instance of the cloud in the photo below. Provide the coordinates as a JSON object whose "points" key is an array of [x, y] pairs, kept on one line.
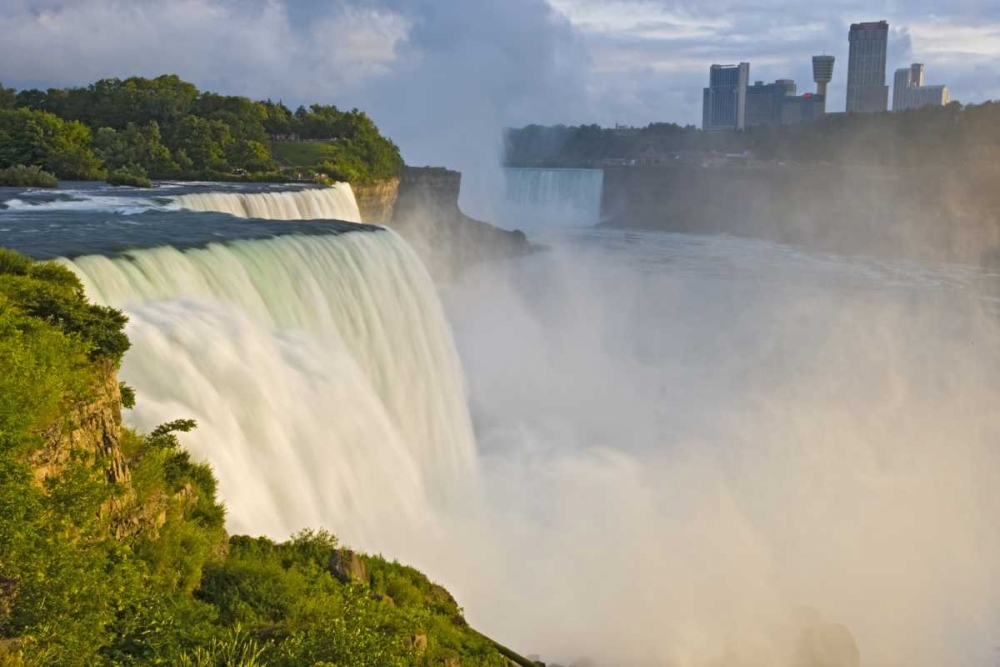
{"points": [[656, 53], [442, 77]]}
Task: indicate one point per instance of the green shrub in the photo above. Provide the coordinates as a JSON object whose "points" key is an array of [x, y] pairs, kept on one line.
{"points": [[132, 175], [20, 176]]}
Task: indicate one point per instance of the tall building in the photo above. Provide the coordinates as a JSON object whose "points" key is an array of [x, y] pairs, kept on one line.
{"points": [[724, 101], [764, 101], [808, 108], [909, 91], [822, 73], [866, 89]]}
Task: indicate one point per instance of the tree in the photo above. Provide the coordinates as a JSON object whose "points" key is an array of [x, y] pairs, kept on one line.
{"points": [[39, 138]]}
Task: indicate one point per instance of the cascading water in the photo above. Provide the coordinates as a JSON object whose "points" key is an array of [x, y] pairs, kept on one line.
{"points": [[537, 198], [333, 203], [320, 369], [681, 440]]}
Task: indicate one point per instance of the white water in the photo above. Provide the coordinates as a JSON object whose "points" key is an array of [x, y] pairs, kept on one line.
{"points": [[332, 203], [682, 440], [320, 370], [539, 199]]}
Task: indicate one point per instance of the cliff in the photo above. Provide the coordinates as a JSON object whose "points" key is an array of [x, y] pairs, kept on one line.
{"points": [[377, 200], [921, 214], [426, 213]]}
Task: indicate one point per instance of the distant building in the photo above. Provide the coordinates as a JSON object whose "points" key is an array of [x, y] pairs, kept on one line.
{"points": [[724, 101], [866, 89], [909, 91], [764, 101], [822, 73], [797, 110]]}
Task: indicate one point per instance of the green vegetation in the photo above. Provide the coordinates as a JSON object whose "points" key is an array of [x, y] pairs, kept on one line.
{"points": [[948, 136], [131, 174], [112, 546], [20, 176], [169, 129]]}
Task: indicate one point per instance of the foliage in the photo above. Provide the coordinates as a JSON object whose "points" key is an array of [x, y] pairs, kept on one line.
{"points": [[131, 174], [42, 139], [20, 176], [168, 128], [135, 569]]}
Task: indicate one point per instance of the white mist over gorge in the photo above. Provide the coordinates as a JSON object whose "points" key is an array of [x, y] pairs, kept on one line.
{"points": [[662, 449]]}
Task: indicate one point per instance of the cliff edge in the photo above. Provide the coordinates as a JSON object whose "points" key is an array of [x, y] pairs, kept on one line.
{"points": [[422, 206]]}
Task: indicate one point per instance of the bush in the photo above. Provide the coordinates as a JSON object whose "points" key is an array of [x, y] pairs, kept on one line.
{"points": [[130, 174], [20, 176]]}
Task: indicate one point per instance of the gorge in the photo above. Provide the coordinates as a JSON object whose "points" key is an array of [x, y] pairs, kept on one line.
{"points": [[688, 449]]}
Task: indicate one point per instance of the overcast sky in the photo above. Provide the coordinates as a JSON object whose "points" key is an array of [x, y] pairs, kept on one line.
{"points": [[442, 76]]}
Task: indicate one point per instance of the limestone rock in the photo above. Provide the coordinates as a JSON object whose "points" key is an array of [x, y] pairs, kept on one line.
{"points": [[347, 567]]}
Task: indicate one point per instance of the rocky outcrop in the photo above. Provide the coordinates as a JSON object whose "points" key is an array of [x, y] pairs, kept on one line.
{"points": [[89, 427], [348, 567], [376, 201], [427, 215]]}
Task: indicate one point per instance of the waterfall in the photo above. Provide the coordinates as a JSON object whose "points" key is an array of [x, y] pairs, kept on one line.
{"points": [[553, 197], [332, 203], [320, 369]]}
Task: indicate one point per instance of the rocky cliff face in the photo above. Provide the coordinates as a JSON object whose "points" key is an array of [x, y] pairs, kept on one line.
{"points": [[376, 201], [426, 214], [916, 214], [91, 428]]}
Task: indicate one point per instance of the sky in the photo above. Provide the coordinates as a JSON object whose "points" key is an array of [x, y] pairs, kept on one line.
{"points": [[443, 76]]}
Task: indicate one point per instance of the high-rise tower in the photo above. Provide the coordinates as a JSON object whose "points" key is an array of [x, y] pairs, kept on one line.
{"points": [[822, 73], [909, 91], [866, 89], [725, 99]]}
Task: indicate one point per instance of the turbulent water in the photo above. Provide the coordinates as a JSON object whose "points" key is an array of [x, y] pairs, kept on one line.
{"points": [[320, 370], [686, 450], [333, 203], [538, 199]]}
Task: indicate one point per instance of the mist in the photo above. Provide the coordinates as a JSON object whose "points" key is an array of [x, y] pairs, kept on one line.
{"points": [[695, 448]]}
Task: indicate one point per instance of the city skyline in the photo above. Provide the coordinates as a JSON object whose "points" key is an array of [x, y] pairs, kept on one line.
{"points": [[867, 88], [443, 77]]}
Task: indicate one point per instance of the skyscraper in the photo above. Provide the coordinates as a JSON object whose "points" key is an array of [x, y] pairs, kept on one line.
{"points": [[822, 73], [866, 89], [909, 91], [724, 101]]}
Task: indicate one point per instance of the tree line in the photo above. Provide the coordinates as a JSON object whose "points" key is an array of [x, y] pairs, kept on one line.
{"points": [[167, 129], [946, 136]]}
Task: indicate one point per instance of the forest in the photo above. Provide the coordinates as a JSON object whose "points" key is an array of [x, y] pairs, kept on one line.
{"points": [[165, 128]]}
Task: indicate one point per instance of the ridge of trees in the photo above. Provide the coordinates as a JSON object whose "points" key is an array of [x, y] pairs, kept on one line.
{"points": [[168, 129]]}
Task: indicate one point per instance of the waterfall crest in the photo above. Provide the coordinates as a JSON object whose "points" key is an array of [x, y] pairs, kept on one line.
{"points": [[332, 203], [559, 197], [321, 371]]}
